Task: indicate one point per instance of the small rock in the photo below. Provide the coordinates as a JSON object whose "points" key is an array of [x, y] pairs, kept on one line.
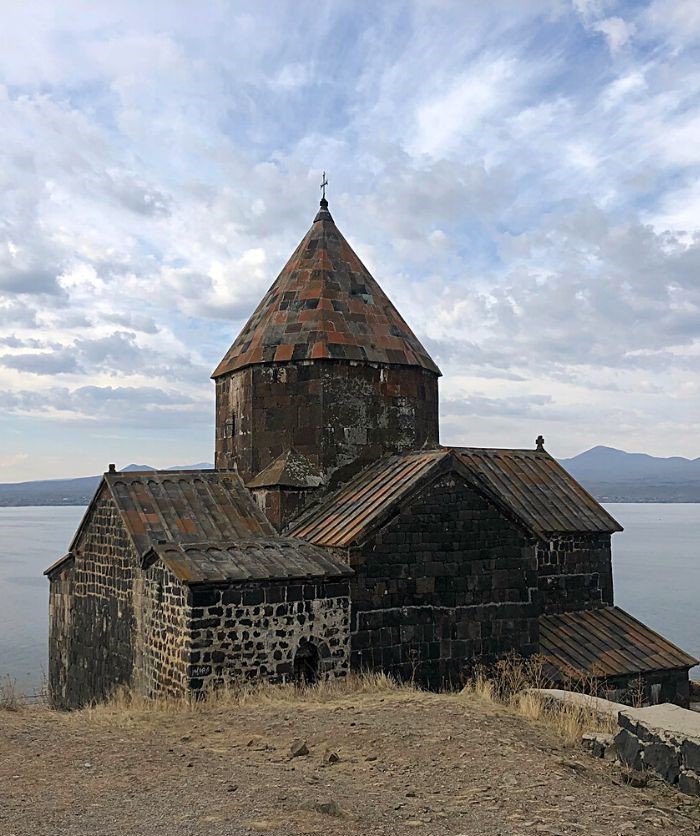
{"points": [[299, 748], [86, 765], [597, 744], [410, 794], [332, 757], [232, 788], [371, 758], [326, 808], [185, 738], [635, 778], [575, 765]]}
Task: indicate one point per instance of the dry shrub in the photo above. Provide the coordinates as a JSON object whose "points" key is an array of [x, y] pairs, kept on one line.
{"points": [[10, 697], [125, 707], [569, 721], [509, 682]]}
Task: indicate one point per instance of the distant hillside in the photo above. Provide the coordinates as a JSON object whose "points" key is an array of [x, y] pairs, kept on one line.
{"points": [[616, 476], [610, 475], [68, 491]]}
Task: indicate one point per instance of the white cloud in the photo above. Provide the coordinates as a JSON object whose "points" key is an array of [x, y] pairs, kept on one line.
{"points": [[617, 32], [519, 177]]}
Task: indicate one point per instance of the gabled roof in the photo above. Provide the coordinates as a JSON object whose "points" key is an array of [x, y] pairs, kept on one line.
{"points": [[370, 499], [538, 488], [182, 506], [278, 558], [529, 485], [290, 470], [606, 642], [325, 305]]}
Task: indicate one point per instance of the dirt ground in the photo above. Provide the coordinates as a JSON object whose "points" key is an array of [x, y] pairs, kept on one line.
{"points": [[406, 762]]}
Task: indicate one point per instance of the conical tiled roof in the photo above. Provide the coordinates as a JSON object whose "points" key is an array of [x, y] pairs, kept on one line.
{"points": [[325, 305]]}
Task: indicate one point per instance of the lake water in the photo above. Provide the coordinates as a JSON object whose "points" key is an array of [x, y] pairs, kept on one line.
{"points": [[656, 564]]}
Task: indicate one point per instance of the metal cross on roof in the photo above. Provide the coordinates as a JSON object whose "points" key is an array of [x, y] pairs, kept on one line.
{"points": [[324, 183]]}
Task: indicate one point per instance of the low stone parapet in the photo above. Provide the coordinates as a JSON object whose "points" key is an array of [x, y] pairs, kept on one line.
{"points": [[663, 738], [596, 705]]}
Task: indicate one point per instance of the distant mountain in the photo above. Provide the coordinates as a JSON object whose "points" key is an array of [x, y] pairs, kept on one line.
{"points": [[616, 476], [610, 475], [69, 491]]}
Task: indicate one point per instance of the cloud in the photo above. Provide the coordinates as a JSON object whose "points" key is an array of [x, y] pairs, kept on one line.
{"points": [[520, 178], [616, 31], [43, 363], [120, 405]]}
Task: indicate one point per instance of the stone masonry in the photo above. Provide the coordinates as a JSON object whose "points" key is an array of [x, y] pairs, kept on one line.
{"points": [[332, 412], [665, 739], [92, 613], [575, 572], [255, 631], [118, 619], [448, 582]]}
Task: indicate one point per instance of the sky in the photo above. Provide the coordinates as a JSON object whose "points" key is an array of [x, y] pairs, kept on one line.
{"points": [[522, 178]]}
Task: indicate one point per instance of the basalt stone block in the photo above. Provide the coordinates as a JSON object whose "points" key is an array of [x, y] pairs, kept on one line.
{"points": [[689, 782], [690, 751], [252, 597], [629, 749], [664, 760], [204, 597]]}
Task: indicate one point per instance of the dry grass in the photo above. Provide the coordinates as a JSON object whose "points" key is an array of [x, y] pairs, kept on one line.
{"points": [[509, 682], [569, 721], [10, 697], [126, 707]]}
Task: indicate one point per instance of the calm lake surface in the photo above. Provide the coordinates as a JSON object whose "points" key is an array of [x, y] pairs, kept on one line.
{"points": [[656, 563]]}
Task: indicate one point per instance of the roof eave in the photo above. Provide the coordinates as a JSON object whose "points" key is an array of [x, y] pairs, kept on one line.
{"points": [[229, 368], [59, 565]]}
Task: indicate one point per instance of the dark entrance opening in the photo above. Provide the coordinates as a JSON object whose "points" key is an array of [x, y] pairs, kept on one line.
{"points": [[306, 664]]}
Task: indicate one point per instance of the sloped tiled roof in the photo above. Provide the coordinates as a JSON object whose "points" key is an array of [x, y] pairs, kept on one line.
{"points": [[605, 642], [183, 506], [278, 558], [325, 305], [538, 492], [536, 486], [356, 508], [290, 470]]}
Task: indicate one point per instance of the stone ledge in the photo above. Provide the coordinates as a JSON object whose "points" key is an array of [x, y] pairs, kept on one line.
{"points": [[604, 708], [665, 739], [662, 738]]}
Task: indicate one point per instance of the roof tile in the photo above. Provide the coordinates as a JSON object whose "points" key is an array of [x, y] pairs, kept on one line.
{"points": [[533, 485], [605, 642], [351, 311]]}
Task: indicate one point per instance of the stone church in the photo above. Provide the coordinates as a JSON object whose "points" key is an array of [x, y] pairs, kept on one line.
{"points": [[336, 533]]}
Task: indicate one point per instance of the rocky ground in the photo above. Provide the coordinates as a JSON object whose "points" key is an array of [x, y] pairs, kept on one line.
{"points": [[383, 763]]}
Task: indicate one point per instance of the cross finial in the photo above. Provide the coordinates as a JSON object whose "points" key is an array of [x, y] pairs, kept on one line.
{"points": [[324, 183], [539, 441]]}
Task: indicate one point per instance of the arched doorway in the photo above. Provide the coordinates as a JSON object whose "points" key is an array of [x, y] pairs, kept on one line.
{"points": [[306, 661]]}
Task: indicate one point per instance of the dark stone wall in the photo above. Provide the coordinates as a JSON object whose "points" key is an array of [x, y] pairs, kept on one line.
{"points": [[165, 627], [449, 581], [253, 631], [92, 633], [575, 572], [333, 412], [60, 616], [648, 688], [281, 505]]}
